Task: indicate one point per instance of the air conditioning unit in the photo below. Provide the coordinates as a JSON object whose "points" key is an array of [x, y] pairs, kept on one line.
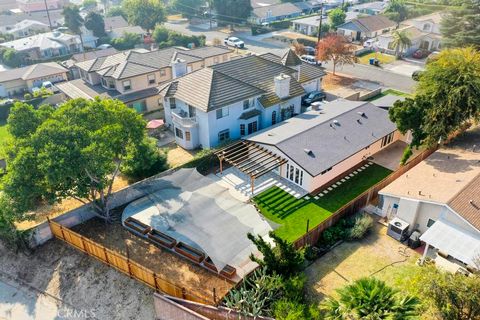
{"points": [[398, 229]]}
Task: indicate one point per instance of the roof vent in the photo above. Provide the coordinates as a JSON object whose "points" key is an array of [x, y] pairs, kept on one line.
{"points": [[270, 134], [359, 121], [361, 113], [336, 122], [308, 151]]}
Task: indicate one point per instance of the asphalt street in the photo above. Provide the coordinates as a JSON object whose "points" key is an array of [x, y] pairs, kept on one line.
{"points": [[386, 78]]}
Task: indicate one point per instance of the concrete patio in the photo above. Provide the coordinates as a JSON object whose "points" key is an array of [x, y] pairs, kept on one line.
{"points": [[239, 184]]}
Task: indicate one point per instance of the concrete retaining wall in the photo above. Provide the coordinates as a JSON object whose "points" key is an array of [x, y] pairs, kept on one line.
{"points": [[41, 233]]}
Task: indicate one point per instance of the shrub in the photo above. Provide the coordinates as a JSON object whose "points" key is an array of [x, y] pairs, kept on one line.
{"points": [[27, 96], [407, 153], [310, 253], [363, 224], [146, 162]]}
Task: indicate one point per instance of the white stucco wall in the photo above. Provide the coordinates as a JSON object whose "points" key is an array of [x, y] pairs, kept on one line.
{"points": [[417, 213]]}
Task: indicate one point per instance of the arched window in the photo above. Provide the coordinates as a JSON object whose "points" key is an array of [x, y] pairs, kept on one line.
{"points": [[274, 117]]}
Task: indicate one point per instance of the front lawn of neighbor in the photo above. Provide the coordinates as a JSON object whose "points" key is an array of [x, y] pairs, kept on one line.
{"points": [[3, 137], [392, 92], [382, 57], [292, 213]]}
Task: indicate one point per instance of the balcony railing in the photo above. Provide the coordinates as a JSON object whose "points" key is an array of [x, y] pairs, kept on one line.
{"points": [[184, 120]]}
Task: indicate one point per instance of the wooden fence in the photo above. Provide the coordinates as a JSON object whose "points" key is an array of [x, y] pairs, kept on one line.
{"points": [[369, 196], [125, 265]]}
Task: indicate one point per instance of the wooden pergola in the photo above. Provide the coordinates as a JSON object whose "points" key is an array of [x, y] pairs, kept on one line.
{"points": [[250, 158]]}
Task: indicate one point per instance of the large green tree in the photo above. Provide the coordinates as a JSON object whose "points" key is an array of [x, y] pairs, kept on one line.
{"points": [[336, 17], [282, 259], [454, 296], [232, 11], [188, 8], [94, 22], [370, 298], [460, 27], [117, 11], [73, 20], [397, 10], [447, 96], [144, 13], [74, 151]]}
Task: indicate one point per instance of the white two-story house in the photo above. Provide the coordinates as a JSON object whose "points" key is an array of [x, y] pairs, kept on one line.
{"points": [[230, 100], [133, 76], [423, 32]]}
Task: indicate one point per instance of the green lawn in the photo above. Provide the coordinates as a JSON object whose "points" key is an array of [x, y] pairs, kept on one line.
{"points": [[392, 92], [3, 137], [382, 57], [292, 213]]}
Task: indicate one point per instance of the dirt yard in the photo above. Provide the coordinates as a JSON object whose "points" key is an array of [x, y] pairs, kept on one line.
{"points": [[40, 215], [75, 280], [331, 82], [377, 254], [177, 155], [168, 265]]}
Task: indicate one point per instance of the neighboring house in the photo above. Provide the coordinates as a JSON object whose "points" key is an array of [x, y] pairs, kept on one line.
{"points": [[440, 198], [89, 55], [275, 12], [263, 3], [308, 25], [237, 98], [18, 81], [6, 5], [321, 145], [114, 23], [424, 33], [133, 76], [27, 28], [366, 27], [120, 32], [39, 5], [369, 8], [8, 21], [45, 46]]}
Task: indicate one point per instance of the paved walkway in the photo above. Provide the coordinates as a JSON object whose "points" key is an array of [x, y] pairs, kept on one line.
{"points": [[239, 184]]}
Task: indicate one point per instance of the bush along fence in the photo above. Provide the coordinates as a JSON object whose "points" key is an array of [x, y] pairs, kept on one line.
{"points": [[312, 236], [125, 265]]}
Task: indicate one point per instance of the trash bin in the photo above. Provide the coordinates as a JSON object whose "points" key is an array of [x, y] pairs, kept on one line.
{"points": [[377, 62], [372, 61]]}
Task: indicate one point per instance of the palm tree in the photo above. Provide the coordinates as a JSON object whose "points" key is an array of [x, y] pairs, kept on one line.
{"points": [[401, 41], [370, 298]]}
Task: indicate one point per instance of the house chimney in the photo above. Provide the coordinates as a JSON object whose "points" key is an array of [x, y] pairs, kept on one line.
{"points": [[282, 85], [179, 67]]}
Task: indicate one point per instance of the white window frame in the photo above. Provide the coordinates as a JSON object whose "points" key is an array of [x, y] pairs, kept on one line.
{"points": [[151, 80], [129, 85]]}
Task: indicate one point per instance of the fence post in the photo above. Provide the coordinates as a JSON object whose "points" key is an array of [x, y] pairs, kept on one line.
{"points": [[156, 284], [106, 256], [214, 295], [63, 234]]}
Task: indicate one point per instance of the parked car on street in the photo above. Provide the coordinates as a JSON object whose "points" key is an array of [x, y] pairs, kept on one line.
{"points": [[310, 50], [234, 42], [310, 59], [420, 54], [313, 97]]}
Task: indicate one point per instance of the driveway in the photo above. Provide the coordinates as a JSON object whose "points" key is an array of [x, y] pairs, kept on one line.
{"points": [[386, 78], [402, 67]]}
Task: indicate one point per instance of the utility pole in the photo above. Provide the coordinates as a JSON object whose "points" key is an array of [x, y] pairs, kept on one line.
{"points": [[320, 23], [48, 15]]}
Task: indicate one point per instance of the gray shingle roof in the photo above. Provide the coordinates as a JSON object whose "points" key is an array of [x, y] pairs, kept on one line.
{"points": [[290, 59], [281, 9], [209, 89], [368, 24], [338, 141]]}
